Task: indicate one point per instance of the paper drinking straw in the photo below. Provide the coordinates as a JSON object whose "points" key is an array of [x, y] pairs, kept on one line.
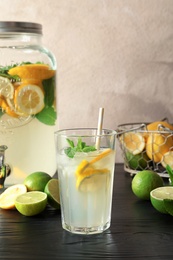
{"points": [[99, 127]]}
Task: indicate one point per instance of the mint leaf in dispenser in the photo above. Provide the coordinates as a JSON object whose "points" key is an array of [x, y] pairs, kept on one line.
{"points": [[47, 116], [49, 89]]}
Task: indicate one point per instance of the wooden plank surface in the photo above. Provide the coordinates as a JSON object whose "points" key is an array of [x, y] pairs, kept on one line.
{"points": [[137, 231]]}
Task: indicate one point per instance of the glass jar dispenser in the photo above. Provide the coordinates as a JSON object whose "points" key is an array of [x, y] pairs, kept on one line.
{"points": [[28, 114]]}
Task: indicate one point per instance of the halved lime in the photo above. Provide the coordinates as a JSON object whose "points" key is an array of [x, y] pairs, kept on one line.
{"points": [[52, 191], [168, 203], [161, 197], [31, 203]]}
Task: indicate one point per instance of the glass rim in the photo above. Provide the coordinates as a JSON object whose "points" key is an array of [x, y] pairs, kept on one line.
{"points": [[63, 132]]}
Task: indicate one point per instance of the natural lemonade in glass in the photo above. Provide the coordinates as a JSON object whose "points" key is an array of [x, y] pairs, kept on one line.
{"points": [[86, 185], [27, 100]]}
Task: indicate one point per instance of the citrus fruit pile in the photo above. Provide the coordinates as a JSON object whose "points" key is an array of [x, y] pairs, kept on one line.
{"points": [[21, 90], [148, 185], [32, 196], [154, 145]]}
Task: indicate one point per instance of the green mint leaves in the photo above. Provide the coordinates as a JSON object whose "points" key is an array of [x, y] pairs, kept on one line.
{"points": [[48, 115], [170, 172], [80, 147], [4, 73]]}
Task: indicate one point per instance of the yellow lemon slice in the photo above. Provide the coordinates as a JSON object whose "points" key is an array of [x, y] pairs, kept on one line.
{"points": [[155, 126], [157, 145], [9, 110], [32, 72], [81, 167], [101, 155], [29, 99], [84, 164], [133, 142], [8, 197], [92, 179], [6, 88], [167, 159], [12, 110]]}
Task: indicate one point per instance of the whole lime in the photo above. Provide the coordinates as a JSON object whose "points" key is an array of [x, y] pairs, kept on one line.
{"points": [[138, 161], [37, 181], [144, 182]]}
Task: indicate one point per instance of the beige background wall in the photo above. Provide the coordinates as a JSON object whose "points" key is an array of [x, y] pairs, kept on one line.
{"points": [[116, 54]]}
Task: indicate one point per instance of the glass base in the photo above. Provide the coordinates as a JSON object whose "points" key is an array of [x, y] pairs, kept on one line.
{"points": [[86, 230]]}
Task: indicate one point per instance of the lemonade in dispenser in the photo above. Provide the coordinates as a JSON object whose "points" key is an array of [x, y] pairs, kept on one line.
{"points": [[28, 113]]}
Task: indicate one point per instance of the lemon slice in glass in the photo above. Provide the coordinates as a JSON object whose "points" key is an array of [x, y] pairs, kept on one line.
{"points": [[6, 88], [92, 179], [84, 163], [29, 99]]}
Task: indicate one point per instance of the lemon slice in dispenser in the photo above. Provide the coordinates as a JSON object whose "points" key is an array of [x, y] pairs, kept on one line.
{"points": [[29, 99], [6, 88]]}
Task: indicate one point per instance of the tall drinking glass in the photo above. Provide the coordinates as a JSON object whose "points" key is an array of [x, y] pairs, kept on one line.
{"points": [[85, 164]]}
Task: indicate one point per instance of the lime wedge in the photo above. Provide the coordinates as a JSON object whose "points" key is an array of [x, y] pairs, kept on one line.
{"points": [[52, 191], [31, 203]]}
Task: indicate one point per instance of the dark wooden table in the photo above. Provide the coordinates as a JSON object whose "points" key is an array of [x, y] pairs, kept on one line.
{"points": [[137, 231]]}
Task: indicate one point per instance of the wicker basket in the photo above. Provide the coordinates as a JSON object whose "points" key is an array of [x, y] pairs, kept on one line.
{"points": [[152, 155]]}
